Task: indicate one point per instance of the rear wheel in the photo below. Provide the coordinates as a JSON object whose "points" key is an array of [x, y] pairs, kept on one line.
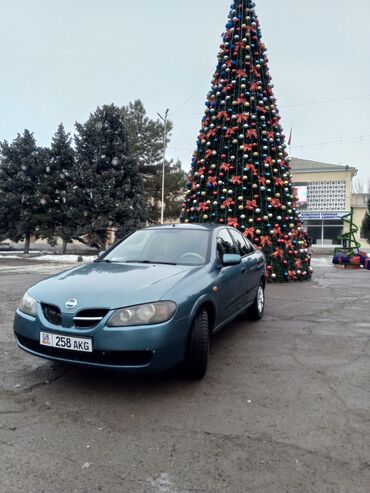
{"points": [[256, 311], [196, 360]]}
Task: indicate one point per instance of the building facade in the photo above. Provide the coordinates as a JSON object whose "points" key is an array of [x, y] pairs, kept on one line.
{"points": [[324, 199], [360, 206]]}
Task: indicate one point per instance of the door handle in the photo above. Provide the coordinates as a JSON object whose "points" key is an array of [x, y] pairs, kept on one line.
{"points": [[243, 270]]}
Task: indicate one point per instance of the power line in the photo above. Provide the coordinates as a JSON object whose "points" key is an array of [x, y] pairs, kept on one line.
{"points": [[338, 141], [308, 103], [194, 92], [324, 101], [180, 149], [360, 137]]}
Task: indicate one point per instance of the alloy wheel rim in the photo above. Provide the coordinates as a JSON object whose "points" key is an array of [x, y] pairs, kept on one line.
{"points": [[260, 299]]}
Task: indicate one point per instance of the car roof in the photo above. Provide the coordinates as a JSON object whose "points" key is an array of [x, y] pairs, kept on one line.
{"points": [[192, 226]]}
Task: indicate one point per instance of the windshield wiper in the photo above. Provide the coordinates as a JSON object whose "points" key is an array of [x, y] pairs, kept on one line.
{"points": [[148, 262]]}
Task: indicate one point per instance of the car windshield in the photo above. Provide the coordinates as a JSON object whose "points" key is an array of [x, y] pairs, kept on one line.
{"points": [[163, 246]]}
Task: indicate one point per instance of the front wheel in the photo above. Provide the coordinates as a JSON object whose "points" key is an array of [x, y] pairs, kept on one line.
{"points": [[196, 360], [256, 311]]}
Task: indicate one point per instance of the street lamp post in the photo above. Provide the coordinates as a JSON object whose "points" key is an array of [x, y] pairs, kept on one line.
{"points": [[164, 119]]}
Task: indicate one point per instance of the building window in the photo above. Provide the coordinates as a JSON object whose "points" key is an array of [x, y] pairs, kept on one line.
{"points": [[324, 232], [326, 196]]}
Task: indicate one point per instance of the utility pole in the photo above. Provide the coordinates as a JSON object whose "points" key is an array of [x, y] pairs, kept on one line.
{"points": [[164, 119]]}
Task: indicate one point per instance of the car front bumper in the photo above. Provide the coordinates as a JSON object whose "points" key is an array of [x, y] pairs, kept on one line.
{"points": [[143, 348]]}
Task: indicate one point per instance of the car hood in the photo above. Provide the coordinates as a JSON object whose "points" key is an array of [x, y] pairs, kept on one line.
{"points": [[110, 285]]}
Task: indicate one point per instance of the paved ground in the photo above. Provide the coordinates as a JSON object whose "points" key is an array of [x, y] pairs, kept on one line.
{"points": [[285, 406]]}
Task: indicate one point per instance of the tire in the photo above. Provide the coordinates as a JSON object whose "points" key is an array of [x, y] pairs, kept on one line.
{"points": [[256, 311], [196, 360]]}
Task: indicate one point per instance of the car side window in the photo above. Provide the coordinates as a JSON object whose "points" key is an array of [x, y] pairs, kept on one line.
{"points": [[225, 244], [250, 247], [244, 248]]}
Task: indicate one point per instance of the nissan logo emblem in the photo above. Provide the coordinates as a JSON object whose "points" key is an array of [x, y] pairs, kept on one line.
{"points": [[71, 304]]}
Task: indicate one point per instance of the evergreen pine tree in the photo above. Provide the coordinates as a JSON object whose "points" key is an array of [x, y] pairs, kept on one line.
{"points": [[366, 224], [56, 188], [22, 210], [145, 137], [108, 188], [240, 172]]}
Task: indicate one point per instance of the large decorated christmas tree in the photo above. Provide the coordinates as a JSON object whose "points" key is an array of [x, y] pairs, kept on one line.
{"points": [[240, 172]]}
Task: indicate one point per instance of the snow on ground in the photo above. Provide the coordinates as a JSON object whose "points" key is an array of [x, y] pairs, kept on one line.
{"points": [[35, 268], [64, 259], [70, 259]]}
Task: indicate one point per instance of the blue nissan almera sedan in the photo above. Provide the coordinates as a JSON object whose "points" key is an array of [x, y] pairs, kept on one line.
{"points": [[149, 303]]}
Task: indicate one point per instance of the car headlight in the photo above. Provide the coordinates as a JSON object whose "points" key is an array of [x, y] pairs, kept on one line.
{"points": [[148, 314], [28, 305]]}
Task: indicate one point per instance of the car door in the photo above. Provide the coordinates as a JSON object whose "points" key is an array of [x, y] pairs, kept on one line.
{"points": [[257, 268], [246, 251], [229, 277]]}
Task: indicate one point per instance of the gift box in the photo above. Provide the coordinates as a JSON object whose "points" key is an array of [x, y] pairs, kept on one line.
{"points": [[340, 258], [355, 260]]}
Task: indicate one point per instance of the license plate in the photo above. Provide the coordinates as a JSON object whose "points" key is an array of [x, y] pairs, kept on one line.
{"points": [[82, 344]]}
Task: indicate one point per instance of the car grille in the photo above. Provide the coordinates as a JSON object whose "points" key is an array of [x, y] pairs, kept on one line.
{"points": [[52, 314], [114, 358], [89, 318]]}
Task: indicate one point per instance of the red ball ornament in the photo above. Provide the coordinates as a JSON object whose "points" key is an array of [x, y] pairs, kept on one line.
{"points": [[222, 221]]}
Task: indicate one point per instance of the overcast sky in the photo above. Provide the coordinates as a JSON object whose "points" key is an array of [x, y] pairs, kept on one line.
{"points": [[59, 59]]}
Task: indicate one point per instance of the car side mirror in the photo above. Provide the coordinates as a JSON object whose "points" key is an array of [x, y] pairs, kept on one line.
{"points": [[231, 259], [100, 254]]}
